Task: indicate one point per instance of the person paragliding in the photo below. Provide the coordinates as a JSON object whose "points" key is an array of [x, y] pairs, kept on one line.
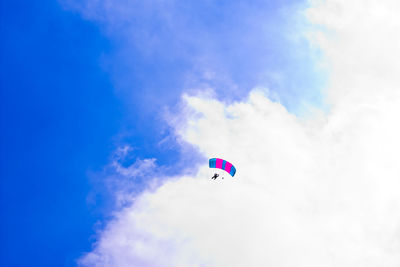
{"points": [[215, 176], [223, 165]]}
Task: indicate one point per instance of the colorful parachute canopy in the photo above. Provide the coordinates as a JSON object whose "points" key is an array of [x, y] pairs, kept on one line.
{"points": [[223, 165]]}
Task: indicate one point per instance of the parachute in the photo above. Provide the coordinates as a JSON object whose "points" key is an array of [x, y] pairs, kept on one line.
{"points": [[223, 165]]}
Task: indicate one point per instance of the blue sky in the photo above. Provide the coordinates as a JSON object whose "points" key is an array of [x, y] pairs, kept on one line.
{"points": [[58, 115], [80, 80]]}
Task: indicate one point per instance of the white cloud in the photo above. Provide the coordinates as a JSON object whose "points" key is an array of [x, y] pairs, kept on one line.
{"points": [[321, 191]]}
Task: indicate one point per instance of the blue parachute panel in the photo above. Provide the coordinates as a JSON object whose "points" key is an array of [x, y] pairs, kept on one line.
{"points": [[233, 171], [212, 163]]}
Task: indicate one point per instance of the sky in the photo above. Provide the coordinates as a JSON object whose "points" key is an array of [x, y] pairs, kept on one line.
{"points": [[110, 111]]}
